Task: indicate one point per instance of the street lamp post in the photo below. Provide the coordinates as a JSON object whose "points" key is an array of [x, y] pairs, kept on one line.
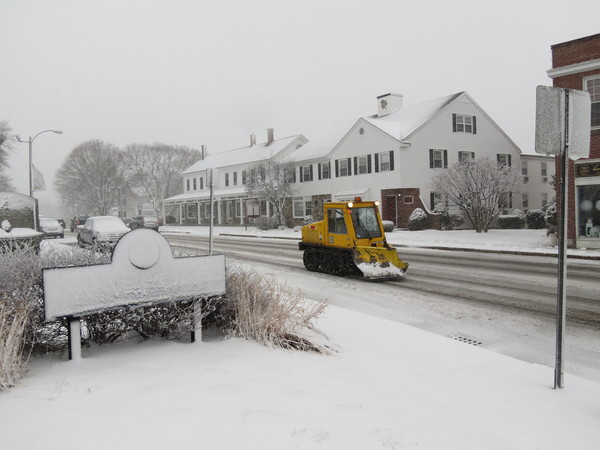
{"points": [[30, 142]]}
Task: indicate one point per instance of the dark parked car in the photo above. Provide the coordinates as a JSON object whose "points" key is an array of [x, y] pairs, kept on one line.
{"points": [[51, 228], [144, 222], [77, 220]]}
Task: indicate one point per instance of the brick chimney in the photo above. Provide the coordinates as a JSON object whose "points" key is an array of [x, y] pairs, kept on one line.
{"points": [[203, 151], [389, 103], [270, 138]]}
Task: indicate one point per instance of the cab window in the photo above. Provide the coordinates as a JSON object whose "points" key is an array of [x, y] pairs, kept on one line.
{"points": [[336, 222], [365, 223]]}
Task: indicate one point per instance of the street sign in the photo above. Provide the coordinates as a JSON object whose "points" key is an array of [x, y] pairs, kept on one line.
{"points": [[552, 111]]}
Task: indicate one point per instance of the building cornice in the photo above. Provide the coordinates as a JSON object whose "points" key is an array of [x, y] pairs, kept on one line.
{"points": [[574, 68]]}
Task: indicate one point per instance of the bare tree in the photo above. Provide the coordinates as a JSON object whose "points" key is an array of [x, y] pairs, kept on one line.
{"points": [[91, 177], [156, 169], [5, 148], [271, 181], [480, 188]]}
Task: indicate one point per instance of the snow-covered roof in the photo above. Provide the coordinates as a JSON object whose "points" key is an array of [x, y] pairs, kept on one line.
{"points": [[407, 120], [254, 153], [204, 194], [322, 146]]}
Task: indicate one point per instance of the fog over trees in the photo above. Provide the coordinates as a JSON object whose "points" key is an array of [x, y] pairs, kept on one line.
{"points": [[5, 148]]}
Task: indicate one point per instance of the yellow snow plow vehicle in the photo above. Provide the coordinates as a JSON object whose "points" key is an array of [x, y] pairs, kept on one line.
{"points": [[351, 241]]}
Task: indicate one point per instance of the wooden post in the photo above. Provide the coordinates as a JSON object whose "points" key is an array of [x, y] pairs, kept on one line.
{"points": [[74, 338]]}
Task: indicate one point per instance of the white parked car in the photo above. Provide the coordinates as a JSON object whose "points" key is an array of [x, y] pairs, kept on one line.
{"points": [[101, 231], [51, 228]]}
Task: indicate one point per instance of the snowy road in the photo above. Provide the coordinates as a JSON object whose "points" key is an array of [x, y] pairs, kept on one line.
{"points": [[506, 302]]}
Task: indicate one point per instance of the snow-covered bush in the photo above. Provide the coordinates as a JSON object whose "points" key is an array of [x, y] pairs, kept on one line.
{"points": [[388, 226], [550, 214], [445, 221], [417, 220], [262, 223], [14, 315], [535, 219], [512, 221], [261, 309]]}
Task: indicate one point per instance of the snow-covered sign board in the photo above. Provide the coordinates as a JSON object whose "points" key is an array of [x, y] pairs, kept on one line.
{"points": [[551, 114], [142, 271]]}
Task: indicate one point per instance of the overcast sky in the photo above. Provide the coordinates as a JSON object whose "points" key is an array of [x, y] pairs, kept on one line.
{"points": [[212, 72]]}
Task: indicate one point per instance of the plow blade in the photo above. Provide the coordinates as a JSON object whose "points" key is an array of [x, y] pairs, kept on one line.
{"points": [[379, 263]]}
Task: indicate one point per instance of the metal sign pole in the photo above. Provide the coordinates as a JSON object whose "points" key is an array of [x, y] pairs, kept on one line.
{"points": [[562, 254], [210, 228]]}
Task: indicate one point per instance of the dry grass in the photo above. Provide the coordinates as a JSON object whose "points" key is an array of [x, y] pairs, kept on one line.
{"points": [[13, 354], [272, 314]]}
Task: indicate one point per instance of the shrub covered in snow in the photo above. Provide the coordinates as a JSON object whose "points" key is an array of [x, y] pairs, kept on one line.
{"points": [[512, 221], [417, 220], [550, 214], [445, 221], [388, 226], [535, 219]]}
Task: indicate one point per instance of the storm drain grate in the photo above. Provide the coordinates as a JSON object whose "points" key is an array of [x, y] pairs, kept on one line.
{"points": [[465, 339]]}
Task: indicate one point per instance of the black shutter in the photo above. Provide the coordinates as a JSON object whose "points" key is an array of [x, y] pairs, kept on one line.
{"points": [[431, 158], [431, 201], [349, 166], [368, 163], [391, 160], [311, 173], [509, 158], [474, 126], [301, 174], [319, 174], [337, 168], [454, 122], [472, 155], [355, 165], [498, 157], [445, 159], [376, 162]]}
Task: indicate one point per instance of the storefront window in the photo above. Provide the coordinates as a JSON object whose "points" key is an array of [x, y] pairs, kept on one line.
{"points": [[589, 210]]}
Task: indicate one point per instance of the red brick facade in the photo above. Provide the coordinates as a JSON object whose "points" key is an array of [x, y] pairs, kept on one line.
{"points": [[566, 54], [398, 204]]}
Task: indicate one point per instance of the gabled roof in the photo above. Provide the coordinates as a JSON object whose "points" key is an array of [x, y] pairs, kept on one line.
{"points": [[407, 120], [254, 153]]}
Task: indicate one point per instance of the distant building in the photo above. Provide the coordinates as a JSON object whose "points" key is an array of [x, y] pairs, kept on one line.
{"points": [[391, 156], [538, 181], [576, 65]]}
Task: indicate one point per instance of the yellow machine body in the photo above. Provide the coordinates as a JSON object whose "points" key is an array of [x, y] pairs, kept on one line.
{"points": [[350, 240]]}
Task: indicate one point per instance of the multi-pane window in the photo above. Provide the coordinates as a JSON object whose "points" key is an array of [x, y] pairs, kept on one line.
{"points": [[435, 199], [187, 184], [545, 198], [324, 171], [384, 161], [194, 182], [463, 124], [592, 85], [438, 159], [244, 177], [290, 174], [544, 169], [466, 156], [503, 159], [342, 167], [226, 179], [301, 207], [201, 183], [525, 200], [524, 168], [235, 179], [306, 173], [362, 165]]}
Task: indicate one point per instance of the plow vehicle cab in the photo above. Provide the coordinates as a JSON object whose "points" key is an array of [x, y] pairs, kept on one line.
{"points": [[351, 241]]}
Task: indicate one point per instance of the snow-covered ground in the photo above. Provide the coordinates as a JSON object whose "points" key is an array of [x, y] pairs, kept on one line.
{"points": [[388, 385]]}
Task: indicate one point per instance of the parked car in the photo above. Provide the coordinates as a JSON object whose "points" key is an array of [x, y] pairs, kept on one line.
{"points": [[102, 231], [144, 222], [62, 223], [127, 221], [51, 228], [77, 220]]}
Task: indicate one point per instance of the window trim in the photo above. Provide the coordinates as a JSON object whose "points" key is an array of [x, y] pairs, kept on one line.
{"points": [[585, 88], [443, 160], [456, 124]]}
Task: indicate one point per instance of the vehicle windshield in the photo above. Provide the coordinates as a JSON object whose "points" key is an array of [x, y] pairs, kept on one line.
{"points": [[150, 219], [49, 222], [104, 222], [365, 223]]}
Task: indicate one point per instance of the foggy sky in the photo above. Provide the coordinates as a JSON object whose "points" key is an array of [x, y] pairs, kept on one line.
{"points": [[212, 72]]}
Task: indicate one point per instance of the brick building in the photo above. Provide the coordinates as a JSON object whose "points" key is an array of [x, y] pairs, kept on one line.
{"points": [[576, 65]]}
